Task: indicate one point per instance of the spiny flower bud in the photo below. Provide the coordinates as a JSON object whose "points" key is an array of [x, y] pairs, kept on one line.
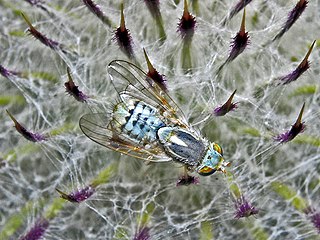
{"points": [[186, 180], [37, 231], [296, 128], [142, 234], [303, 66], [78, 196], [239, 43], [293, 16], [54, 45], [227, 107], [73, 90], [244, 208], [33, 137], [314, 217], [187, 23], [154, 75], [123, 37]]}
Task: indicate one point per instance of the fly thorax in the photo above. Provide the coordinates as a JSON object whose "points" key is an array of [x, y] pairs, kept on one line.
{"points": [[182, 145]]}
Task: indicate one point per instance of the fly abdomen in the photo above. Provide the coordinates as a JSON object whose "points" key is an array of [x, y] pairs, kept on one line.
{"points": [[136, 119]]}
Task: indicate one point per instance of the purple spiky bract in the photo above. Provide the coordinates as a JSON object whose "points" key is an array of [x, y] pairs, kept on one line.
{"points": [[33, 137], [37, 231], [54, 45], [186, 25], [238, 45], [295, 13], [80, 195], [186, 180], [244, 208], [158, 79], [302, 67], [74, 91], [291, 134], [314, 217], [224, 109], [7, 73], [293, 16], [142, 234], [294, 75], [124, 40]]}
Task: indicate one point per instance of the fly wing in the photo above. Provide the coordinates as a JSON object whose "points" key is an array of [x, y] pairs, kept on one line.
{"points": [[127, 77], [97, 127]]}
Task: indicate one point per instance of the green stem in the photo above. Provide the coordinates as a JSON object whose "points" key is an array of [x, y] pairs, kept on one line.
{"points": [[186, 55]]}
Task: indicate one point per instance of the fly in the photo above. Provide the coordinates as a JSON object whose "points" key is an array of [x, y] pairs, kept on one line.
{"points": [[147, 124]]}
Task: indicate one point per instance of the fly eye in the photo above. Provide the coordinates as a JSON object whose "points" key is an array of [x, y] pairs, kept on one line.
{"points": [[218, 148], [206, 171]]}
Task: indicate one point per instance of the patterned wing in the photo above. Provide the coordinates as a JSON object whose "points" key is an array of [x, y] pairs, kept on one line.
{"points": [[129, 78], [97, 127]]}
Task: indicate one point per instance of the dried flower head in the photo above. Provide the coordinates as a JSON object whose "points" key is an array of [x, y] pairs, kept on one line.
{"points": [[227, 107], [142, 234], [187, 23], [33, 137], [244, 208], [293, 16], [123, 37], [73, 90], [296, 128], [78, 196], [154, 75], [37, 231], [303, 66]]}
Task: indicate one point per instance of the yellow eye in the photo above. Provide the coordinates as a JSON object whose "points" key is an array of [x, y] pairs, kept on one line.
{"points": [[206, 171], [217, 148]]}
